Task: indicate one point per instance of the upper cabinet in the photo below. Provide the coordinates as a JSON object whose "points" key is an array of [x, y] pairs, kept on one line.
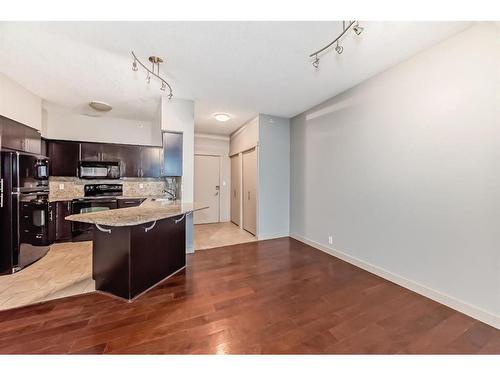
{"points": [[150, 162], [16, 136], [64, 156], [172, 154]]}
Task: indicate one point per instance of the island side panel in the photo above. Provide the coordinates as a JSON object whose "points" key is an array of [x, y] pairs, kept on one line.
{"points": [[156, 254], [111, 261]]}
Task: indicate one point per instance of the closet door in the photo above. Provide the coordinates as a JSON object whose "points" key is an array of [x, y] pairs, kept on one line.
{"points": [[250, 191], [236, 189]]}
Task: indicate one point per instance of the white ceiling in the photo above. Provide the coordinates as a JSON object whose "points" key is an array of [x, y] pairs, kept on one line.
{"points": [[242, 68]]}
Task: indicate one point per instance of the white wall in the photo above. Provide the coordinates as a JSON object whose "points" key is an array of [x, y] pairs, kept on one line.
{"points": [[274, 177], [178, 115], [403, 172], [62, 123], [19, 104], [206, 144]]}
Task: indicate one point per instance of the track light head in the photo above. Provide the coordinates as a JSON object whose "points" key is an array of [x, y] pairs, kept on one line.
{"points": [[339, 49], [163, 86], [148, 79], [134, 66], [358, 29], [316, 62]]}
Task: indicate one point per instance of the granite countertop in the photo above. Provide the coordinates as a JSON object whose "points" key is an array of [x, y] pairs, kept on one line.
{"points": [[149, 210]]}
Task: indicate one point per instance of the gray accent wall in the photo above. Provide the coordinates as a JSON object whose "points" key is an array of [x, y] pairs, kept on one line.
{"points": [[403, 170], [273, 210]]}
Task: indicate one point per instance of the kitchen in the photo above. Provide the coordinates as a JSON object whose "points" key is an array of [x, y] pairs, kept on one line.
{"points": [[46, 180]]}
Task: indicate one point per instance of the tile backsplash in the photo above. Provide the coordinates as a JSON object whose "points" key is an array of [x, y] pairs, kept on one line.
{"points": [[72, 187]]}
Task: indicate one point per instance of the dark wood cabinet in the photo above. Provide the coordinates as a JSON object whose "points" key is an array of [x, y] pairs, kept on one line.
{"points": [[64, 156], [172, 154], [91, 151], [150, 162], [130, 160], [19, 137], [135, 161], [32, 141], [63, 227], [52, 222], [124, 267]]}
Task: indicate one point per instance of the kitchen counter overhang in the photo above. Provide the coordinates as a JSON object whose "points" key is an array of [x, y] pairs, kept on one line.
{"points": [[152, 209]]}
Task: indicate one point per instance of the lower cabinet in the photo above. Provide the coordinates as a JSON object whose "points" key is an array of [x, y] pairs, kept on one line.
{"points": [[62, 226]]}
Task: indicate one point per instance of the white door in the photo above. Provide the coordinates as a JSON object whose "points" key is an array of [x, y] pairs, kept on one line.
{"points": [[250, 191], [236, 189], [206, 188]]}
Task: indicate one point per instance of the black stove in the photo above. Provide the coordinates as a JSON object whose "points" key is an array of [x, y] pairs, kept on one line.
{"points": [[98, 197]]}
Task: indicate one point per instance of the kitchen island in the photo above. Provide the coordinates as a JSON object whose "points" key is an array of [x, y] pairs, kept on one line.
{"points": [[136, 248]]}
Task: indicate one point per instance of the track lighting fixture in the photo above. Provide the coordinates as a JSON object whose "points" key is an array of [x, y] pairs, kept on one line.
{"points": [[346, 25], [153, 72], [358, 29], [339, 49], [316, 62]]}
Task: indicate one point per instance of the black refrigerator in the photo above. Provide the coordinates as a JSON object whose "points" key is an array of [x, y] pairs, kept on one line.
{"points": [[24, 210]]}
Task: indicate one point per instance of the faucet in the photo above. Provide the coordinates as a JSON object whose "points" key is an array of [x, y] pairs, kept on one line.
{"points": [[173, 196]]}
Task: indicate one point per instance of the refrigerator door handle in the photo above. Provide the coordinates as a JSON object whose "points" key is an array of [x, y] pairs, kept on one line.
{"points": [[1, 192]]}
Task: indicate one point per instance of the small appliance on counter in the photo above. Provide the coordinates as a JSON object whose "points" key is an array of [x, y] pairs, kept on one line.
{"points": [[99, 169], [24, 210], [98, 197]]}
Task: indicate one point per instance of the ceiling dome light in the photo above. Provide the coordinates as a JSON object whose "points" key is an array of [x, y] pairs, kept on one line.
{"points": [[222, 117], [100, 106]]}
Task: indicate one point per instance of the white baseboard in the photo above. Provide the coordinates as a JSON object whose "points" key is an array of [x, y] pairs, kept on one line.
{"points": [[270, 236], [476, 312]]}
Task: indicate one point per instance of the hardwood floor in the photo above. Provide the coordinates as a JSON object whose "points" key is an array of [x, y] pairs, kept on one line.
{"points": [[276, 296]]}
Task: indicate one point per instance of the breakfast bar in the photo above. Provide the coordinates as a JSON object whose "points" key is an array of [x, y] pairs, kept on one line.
{"points": [[136, 248]]}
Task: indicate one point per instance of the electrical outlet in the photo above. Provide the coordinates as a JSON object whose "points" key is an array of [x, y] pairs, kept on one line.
{"points": [[330, 240], [141, 186], [61, 186]]}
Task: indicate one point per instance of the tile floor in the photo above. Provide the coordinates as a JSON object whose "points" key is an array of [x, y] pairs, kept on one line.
{"points": [[66, 270], [208, 236]]}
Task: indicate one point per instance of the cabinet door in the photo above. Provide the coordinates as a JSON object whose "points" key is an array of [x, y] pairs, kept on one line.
{"points": [[52, 223], [250, 191], [172, 154], [63, 227], [32, 141], [12, 135], [91, 151], [150, 162], [130, 161], [64, 157]]}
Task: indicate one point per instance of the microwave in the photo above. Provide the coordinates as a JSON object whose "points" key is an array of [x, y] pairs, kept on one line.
{"points": [[99, 169]]}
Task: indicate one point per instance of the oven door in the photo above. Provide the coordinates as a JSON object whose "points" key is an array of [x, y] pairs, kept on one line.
{"points": [[33, 228], [83, 231]]}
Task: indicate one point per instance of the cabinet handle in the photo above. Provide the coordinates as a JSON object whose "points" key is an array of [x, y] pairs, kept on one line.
{"points": [[179, 220], [147, 229], [248, 195], [103, 229]]}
